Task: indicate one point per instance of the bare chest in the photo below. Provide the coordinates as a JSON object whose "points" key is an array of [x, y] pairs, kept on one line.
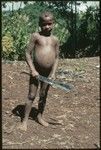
{"points": [[45, 51]]}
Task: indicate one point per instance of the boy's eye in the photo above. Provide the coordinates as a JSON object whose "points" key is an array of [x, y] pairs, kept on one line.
{"points": [[44, 24], [49, 24]]}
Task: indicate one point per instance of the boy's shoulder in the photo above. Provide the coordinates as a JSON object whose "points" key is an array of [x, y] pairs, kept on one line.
{"points": [[35, 34], [54, 38]]}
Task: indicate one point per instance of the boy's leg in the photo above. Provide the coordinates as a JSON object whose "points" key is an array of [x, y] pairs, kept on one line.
{"points": [[33, 86], [42, 102]]}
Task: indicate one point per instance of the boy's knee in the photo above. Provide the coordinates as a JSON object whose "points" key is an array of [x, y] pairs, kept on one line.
{"points": [[42, 94], [31, 97]]}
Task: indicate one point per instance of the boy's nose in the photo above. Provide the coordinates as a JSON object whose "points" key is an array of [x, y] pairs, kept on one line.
{"points": [[47, 26]]}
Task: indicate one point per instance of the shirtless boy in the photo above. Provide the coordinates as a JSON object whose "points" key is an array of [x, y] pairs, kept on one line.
{"points": [[42, 58]]}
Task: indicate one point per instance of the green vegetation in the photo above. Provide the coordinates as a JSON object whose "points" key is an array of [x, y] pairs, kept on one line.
{"points": [[78, 32]]}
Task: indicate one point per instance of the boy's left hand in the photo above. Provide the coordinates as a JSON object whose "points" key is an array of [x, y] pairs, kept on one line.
{"points": [[52, 76]]}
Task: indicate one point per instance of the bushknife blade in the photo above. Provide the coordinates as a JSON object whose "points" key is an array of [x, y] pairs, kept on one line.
{"points": [[55, 84]]}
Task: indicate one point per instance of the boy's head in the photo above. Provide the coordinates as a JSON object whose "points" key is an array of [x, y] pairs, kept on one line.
{"points": [[46, 21]]}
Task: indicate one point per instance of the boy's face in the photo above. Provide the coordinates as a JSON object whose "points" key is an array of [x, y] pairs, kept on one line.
{"points": [[47, 25]]}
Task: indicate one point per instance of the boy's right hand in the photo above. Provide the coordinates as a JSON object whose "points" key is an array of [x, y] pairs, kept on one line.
{"points": [[34, 73]]}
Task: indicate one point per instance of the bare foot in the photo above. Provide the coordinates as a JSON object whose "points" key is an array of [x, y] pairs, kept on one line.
{"points": [[42, 122], [22, 126]]}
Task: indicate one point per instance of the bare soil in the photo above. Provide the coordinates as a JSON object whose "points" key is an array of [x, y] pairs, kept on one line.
{"points": [[74, 117]]}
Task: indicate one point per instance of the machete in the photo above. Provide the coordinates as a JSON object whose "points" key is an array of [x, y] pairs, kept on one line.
{"points": [[54, 84]]}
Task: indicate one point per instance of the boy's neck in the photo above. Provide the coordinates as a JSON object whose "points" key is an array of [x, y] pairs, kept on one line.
{"points": [[45, 33]]}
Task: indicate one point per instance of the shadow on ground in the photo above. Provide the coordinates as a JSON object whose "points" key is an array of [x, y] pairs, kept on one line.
{"points": [[20, 110]]}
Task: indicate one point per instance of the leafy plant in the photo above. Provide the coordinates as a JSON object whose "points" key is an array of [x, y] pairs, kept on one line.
{"points": [[78, 32]]}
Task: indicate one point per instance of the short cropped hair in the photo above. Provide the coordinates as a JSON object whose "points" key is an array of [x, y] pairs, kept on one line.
{"points": [[44, 15]]}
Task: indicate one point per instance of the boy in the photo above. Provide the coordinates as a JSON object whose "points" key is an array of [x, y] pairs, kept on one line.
{"points": [[45, 49]]}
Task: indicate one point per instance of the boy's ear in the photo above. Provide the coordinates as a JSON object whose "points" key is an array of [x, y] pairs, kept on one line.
{"points": [[39, 28], [54, 24]]}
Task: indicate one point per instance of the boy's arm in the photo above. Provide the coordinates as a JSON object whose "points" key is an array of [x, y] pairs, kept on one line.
{"points": [[29, 51], [52, 74]]}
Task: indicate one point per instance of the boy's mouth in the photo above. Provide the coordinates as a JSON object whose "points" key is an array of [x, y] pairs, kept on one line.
{"points": [[47, 30]]}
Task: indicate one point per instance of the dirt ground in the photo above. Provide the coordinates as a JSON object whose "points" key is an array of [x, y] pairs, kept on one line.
{"points": [[74, 117]]}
